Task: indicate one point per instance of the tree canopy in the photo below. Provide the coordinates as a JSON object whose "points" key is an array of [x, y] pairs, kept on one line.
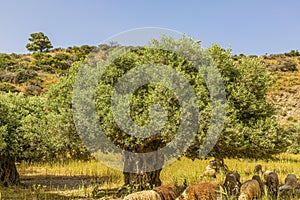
{"points": [[39, 42], [249, 123], [249, 128]]}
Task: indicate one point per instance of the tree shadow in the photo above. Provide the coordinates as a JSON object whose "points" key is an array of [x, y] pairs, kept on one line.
{"points": [[61, 188], [63, 182]]}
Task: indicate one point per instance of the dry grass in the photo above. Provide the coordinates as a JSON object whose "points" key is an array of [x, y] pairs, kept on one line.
{"points": [[285, 94], [95, 179]]}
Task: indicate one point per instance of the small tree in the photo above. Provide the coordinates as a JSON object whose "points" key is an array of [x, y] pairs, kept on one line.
{"points": [[39, 42]]}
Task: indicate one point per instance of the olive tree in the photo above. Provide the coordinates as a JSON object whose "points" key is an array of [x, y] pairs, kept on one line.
{"points": [[249, 130], [35, 129], [13, 108], [8, 171]]}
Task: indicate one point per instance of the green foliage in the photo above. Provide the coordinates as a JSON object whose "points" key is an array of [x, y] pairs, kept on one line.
{"points": [[250, 128], [289, 66], [31, 130], [14, 63], [293, 53], [79, 53], [3, 135], [57, 123], [17, 77], [7, 87], [13, 107], [24, 75], [62, 57], [294, 129], [28, 72], [47, 62], [6, 76], [39, 42], [142, 100], [6, 61]]}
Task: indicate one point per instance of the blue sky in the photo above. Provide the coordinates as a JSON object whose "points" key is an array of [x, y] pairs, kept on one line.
{"points": [[252, 27]]}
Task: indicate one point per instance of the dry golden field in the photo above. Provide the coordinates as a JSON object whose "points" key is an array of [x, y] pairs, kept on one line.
{"points": [[93, 180]]}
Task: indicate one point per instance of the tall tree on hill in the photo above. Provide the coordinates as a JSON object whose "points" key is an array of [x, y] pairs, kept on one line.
{"points": [[39, 42]]}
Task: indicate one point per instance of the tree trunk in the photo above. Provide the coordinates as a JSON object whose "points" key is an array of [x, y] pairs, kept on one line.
{"points": [[142, 170], [8, 171], [142, 181]]}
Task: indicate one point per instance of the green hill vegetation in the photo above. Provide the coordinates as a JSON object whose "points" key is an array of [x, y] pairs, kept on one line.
{"points": [[31, 74]]}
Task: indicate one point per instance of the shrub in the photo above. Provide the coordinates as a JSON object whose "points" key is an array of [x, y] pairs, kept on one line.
{"points": [[32, 90], [47, 62], [79, 56], [6, 76], [294, 128], [39, 56], [23, 76], [62, 57], [79, 53], [6, 61], [293, 53], [285, 67], [86, 49], [289, 66], [7, 87]]}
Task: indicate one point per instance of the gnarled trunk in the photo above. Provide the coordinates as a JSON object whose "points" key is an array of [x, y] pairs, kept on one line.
{"points": [[142, 181], [142, 170], [8, 171], [142, 173]]}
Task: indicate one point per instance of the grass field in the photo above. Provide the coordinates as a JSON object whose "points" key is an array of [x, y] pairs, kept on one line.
{"points": [[93, 180]]}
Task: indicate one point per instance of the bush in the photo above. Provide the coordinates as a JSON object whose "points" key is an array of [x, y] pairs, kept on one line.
{"points": [[47, 62], [79, 53], [7, 87], [6, 61], [41, 60], [23, 76], [293, 53], [6, 76], [289, 66], [39, 56], [294, 128], [86, 49], [286, 66], [62, 57], [32, 90]]}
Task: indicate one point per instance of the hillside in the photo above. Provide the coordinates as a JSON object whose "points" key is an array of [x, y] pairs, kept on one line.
{"points": [[285, 91], [31, 74]]}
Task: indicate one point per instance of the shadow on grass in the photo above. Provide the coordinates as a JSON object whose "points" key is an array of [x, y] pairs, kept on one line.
{"points": [[59, 188], [64, 182]]}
